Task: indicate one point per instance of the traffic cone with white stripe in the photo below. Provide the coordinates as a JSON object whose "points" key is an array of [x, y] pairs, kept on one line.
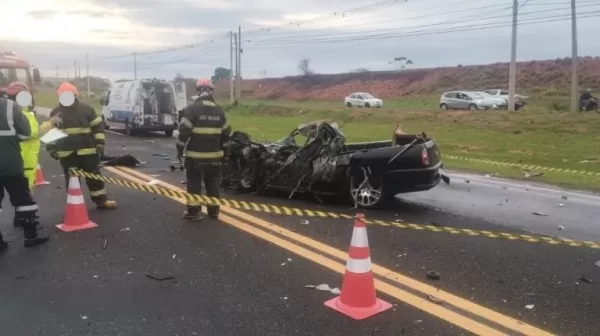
{"points": [[39, 176], [358, 299], [76, 216]]}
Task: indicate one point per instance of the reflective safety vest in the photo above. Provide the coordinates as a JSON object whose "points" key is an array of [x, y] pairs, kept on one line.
{"points": [[14, 127], [203, 131], [83, 127]]}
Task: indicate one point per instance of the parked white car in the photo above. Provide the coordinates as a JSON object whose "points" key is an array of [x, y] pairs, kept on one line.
{"points": [[362, 99]]}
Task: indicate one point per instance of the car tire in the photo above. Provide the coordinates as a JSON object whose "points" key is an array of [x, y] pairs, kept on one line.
{"points": [[444, 107], [472, 107], [374, 202], [367, 105], [349, 104]]}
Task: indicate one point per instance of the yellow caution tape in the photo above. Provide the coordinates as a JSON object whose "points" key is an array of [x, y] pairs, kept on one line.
{"points": [[283, 210], [523, 166]]}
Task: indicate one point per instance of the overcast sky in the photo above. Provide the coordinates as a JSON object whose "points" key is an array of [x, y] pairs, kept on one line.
{"points": [[339, 36]]}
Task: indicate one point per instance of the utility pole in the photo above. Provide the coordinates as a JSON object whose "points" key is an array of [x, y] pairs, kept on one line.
{"points": [[75, 66], [87, 71], [512, 80], [574, 59], [231, 67], [235, 47], [135, 65], [239, 66]]}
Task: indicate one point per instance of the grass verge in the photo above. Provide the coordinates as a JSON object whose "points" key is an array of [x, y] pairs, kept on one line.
{"points": [[535, 136]]}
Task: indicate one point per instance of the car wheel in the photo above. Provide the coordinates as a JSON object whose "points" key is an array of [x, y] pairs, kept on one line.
{"points": [[367, 105], [444, 106], [349, 104], [367, 195], [473, 107]]}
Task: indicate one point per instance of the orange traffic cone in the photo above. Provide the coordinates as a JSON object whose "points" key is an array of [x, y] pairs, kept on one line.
{"points": [[76, 216], [358, 299], [39, 176]]}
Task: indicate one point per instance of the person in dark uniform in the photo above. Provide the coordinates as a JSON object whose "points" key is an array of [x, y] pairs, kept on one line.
{"points": [[83, 147], [14, 127], [204, 142]]}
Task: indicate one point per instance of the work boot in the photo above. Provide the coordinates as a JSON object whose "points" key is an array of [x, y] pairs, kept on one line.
{"points": [[213, 215], [16, 223], [32, 238], [106, 205], [213, 211], [192, 216]]}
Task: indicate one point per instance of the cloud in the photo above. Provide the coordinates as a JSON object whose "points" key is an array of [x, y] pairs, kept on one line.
{"points": [[277, 34]]}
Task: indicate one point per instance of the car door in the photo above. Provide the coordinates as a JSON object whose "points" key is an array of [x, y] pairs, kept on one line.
{"points": [[360, 101], [462, 101]]}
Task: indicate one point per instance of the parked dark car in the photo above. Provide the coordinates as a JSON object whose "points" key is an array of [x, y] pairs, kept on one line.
{"points": [[367, 173]]}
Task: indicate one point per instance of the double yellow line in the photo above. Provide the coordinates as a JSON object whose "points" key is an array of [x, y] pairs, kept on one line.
{"points": [[458, 311]]}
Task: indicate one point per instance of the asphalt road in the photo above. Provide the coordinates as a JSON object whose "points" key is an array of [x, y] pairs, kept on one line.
{"points": [[246, 274]]}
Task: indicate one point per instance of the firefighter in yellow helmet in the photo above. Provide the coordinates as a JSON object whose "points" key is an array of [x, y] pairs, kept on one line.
{"points": [[84, 146], [203, 140]]}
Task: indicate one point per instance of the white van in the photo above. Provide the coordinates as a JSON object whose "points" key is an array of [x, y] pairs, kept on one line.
{"points": [[143, 105]]}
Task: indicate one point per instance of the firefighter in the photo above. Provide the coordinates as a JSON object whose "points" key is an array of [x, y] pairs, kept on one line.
{"points": [[14, 127], [84, 146], [30, 148], [204, 141]]}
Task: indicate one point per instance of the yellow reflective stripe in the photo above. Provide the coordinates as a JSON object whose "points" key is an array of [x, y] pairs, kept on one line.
{"points": [[207, 103], [96, 122], [77, 130], [98, 193], [186, 122], [193, 203], [226, 126], [99, 136], [204, 155], [62, 154], [206, 130]]}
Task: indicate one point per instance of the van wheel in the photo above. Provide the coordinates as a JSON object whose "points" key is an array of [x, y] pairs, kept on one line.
{"points": [[169, 133]]}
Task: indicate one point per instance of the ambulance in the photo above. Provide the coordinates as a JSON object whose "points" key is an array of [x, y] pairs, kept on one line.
{"points": [[143, 105]]}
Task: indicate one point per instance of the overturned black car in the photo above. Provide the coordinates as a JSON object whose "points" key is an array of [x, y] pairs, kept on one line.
{"points": [[367, 173]]}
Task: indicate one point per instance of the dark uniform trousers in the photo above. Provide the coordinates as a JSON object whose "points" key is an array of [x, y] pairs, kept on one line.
{"points": [[21, 199], [209, 172], [90, 164]]}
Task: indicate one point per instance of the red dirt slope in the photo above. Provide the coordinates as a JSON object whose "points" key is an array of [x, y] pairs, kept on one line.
{"points": [[550, 77]]}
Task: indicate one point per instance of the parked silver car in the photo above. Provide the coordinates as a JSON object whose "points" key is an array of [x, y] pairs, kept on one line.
{"points": [[468, 100]]}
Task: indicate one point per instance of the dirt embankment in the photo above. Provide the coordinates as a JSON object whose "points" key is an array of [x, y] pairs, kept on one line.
{"points": [[549, 78]]}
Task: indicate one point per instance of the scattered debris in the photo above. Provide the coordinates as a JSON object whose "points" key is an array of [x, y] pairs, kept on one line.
{"points": [[434, 299], [585, 279], [83, 317], [304, 222], [467, 181], [539, 213], [431, 275], [105, 243], [150, 276], [563, 197], [529, 306], [486, 175], [324, 287], [285, 262], [560, 227], [561, 205], [174, 256], [126, 229]]}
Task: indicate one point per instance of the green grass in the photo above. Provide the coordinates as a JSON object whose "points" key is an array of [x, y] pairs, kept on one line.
{"points": [[537, 135], [48, 98]]}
